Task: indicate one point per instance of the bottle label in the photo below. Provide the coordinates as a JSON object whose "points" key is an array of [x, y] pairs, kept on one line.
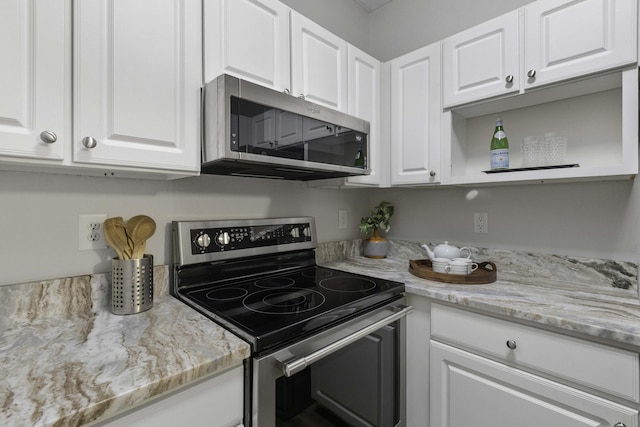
{"points": [[500, 158], [500, 135]]}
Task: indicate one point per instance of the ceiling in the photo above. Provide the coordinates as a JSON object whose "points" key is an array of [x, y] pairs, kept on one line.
{"points": [[371, 5]]}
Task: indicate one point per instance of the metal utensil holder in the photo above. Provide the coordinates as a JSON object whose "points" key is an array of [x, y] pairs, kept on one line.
{"points": [[131, 285]]}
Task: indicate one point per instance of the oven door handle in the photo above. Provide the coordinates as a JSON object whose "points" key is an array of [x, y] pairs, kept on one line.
{"points": [[293, 367]]}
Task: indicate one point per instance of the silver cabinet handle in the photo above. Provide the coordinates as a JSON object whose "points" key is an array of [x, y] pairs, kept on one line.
{"points": [[432, 173], [293, 367], [619, 425], [531, 73], [48, 137], [509, 78], [511, 344], [89, 142]]}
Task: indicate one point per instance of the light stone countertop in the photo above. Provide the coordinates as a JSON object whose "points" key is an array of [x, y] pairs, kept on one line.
{"points": [[66, 360], [595, 299]]}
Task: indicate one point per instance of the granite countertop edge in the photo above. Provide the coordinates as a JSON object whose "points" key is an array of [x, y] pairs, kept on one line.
{"points": [[609, 315]]}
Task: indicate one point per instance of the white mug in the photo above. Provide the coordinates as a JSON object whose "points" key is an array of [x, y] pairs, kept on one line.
{"points": [[439, 264], [471, 266]]}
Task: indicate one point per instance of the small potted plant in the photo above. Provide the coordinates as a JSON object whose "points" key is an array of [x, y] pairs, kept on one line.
{"points": [[376, 246]]}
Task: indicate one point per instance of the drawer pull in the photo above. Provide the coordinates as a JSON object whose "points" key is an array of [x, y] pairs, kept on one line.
{"points": [[511, 344], [619, 425]]}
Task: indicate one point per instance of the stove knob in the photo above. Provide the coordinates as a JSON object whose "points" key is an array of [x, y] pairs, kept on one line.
{"points": [[203, 240], [307, 231], [223, 238], [295, 232]]}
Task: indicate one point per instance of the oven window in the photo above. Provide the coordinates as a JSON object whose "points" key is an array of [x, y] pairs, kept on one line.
{"points": [[273, 132], [355, 386]]}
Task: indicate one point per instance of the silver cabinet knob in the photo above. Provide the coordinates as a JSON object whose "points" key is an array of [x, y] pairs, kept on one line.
{"points": [[286, 91], [509, 78], [511, 344], [301, 96], [432, 173], [619, 425], [89, 142], [531, 73], [48, 137]]}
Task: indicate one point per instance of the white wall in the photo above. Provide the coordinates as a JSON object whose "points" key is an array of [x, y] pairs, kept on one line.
{"points": [[39, 233], [405, 25]]}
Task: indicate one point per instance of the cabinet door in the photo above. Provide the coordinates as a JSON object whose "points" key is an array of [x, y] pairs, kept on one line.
{"points": [[566, 39], [318, 64], [35, 73], [137, 80], [415, 117], [248, 39], [467, 390], [364, 102], [482, 62]]}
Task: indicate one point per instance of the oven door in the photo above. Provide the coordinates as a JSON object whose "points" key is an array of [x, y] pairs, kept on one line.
{"points": [[350, 375]]}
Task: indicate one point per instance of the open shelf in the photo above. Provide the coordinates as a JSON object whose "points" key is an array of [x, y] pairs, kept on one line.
{"points": [[599, 114]]}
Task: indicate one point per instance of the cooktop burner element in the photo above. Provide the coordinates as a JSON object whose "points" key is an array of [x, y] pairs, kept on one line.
{"points": [[347, 284], [284, 301], [261, 280]]}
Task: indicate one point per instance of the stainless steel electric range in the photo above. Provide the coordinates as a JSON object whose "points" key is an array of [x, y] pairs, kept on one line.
{"points": [[319, 337]]}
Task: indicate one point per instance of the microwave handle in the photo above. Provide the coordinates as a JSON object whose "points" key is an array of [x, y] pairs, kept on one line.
{"points": [[293, 367]]}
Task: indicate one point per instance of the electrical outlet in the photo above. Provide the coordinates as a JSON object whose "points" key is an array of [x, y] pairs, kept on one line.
{"points": [[342, 219], [90, 232], [481, 222]]}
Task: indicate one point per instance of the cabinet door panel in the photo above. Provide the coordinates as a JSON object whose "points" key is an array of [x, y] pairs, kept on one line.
{"points": [[566, 39], [318, 64], [478, 61], [467, 389], [248, 39], [34, 77], [415, 117], [137, 80], [364, 102]]}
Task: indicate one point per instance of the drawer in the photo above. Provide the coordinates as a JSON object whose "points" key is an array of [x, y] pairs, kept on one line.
{"points": [[600, 367]]}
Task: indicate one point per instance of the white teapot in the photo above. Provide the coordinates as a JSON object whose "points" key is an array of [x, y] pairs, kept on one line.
{"points": [[445, 250]]}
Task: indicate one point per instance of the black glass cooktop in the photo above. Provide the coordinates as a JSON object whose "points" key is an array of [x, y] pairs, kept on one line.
{"points": [[275, 309]]}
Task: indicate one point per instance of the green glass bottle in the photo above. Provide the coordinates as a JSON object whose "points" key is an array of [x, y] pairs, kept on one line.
{"points": [[499, 147]]}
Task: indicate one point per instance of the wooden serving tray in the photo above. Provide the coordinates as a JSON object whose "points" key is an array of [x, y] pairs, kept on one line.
{"points": [[486, 273]]}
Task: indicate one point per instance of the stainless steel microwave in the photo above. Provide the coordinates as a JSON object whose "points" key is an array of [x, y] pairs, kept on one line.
{"points": [[253, 131]]}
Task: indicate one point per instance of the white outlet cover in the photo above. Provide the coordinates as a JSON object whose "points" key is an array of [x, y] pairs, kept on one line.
{"points": [[90, 226]]}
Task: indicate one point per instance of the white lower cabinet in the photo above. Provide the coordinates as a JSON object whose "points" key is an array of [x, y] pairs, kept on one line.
{"points": [[216, 402], [470, 390], [489, 372]]}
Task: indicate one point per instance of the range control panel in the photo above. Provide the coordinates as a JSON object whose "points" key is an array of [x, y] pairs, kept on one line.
{"points": [[222, 239]]}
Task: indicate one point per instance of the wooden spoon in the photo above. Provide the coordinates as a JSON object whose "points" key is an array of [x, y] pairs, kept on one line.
{"points": [[139, 229], [115, 234]]}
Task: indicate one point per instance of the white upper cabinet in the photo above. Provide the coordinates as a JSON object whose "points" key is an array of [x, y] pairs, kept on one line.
{"points": [[482, 62], [544, 42], [35, 73], [248, 39], [567, 39], [137, 80], [415, 117], [364, 102], [318, 64]]}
